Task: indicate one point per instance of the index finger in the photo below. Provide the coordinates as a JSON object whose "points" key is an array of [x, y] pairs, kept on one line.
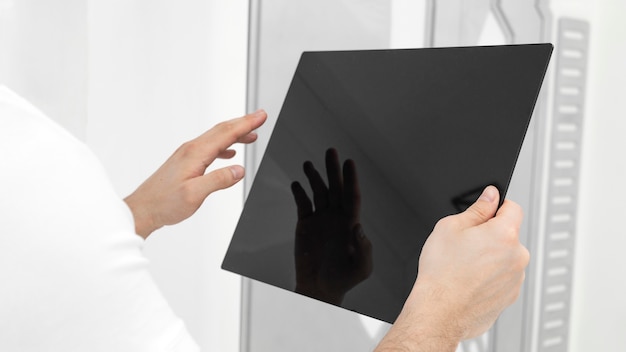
{"points": [[333, 174], [351, 191], [512, 212], [510, 215], [227, 133]]}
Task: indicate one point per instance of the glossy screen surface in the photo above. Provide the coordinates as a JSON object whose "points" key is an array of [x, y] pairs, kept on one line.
{"points": [[370, 150]]}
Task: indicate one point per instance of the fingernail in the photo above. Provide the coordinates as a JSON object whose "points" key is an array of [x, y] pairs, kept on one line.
{"points": [[489, 194], [259, 113], [237, 171]]}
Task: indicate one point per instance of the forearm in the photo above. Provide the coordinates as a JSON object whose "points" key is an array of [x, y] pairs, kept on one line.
{"points": [[416, 340], [144, 224], [427, 323], [470, 269]]}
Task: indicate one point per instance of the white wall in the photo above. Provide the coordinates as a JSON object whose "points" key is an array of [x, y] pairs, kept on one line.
{"points": [[43, 56], [160, 73], [599, 299], [135, 79]]}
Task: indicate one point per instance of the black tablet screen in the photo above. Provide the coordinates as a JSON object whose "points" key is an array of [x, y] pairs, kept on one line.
{"points": [[370, 150]]}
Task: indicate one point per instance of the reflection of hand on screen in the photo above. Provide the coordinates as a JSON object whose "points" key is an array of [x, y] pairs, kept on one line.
{"points": [[332, 253]]}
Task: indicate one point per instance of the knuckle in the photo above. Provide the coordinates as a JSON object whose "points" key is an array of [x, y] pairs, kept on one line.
{"points": [[222, 178], [517, 209], [521, 259], [479, 212], [226, 127], [445, 223], [510, 233], [507, 231], [229, 130], [525, 256], [188, 193], [188, 148]]}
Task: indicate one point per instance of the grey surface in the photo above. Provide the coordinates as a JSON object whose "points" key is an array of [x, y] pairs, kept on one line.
{"points": [[565, 150]]}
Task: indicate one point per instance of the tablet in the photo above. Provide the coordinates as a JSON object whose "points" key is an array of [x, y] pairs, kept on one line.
{"points": [[370, 149]]}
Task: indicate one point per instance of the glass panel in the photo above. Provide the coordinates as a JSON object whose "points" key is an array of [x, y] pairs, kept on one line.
{"points": [[381, 144]]}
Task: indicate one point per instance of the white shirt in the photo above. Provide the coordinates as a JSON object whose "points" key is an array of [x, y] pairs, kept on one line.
{"points": [[72, 273]]}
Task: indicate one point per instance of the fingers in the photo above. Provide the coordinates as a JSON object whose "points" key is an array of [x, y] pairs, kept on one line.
{"points": [[303, 203], [482, 210], [320, 192], [507, 221], [351, 190], [201, 187], [249, 138], [511, 212], [227, 154], [342, 191], [334, 178], [210, 144]]}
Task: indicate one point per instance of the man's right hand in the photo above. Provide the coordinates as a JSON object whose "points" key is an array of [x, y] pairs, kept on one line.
{"points": [[471, 268]]}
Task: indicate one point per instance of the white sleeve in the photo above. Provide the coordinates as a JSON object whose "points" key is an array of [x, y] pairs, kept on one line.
{"points": [[72, 273]]}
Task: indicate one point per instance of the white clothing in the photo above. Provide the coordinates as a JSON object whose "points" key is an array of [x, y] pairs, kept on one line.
{"points": [[72, 273]]}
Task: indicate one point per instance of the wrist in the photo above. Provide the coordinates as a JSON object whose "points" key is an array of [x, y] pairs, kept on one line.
{"points": [[428, 322], [144, 221]]}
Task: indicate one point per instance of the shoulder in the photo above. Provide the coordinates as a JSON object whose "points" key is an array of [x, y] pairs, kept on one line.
{"points": [[27, 132], [51, 175], [68, 252]]}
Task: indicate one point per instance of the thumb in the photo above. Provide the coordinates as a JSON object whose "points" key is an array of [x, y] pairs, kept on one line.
{"points": [[215, 180], [483, 209]]}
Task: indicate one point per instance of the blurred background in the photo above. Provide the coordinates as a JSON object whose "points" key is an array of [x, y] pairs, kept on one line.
{"points": [[136, 78]]}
